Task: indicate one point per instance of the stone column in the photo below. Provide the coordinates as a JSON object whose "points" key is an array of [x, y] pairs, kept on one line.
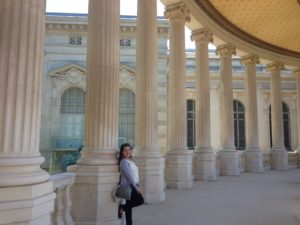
{"points": [[254, 156], [296, 73], [279, 155], [97, 169], [205, 158], [179, 158], [26, 195], [229, 157], [146, 153]]}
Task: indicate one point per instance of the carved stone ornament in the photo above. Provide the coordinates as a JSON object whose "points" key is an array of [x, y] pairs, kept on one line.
{"points": [[177, 11], [126, 74], [226, 50], [73, 74], [249, 60], [275, 66], [202, 35]]}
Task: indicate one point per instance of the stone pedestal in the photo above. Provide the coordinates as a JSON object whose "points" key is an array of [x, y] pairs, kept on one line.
{"points": [[229, 157], [179, 158], [254, 156], [204, 156], [179, 169], [26, 195], [146, 153], [279, 155]]}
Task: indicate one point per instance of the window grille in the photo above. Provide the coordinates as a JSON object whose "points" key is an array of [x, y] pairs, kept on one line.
{"points": [[127, 117], [239, 125], [190, 104], [125, 42], [75, 40], [72, 112]]}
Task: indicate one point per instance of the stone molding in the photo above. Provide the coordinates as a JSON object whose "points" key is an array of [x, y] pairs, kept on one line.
{"points": [[202, 35], [72, 73], [248, 60], [226, 50], [177, 11]]}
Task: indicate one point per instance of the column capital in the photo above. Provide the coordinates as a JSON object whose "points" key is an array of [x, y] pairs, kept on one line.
{"points": [[275, 66], [296, 72], [177, 11], [202, 35], [248, 60], [226, 50]]}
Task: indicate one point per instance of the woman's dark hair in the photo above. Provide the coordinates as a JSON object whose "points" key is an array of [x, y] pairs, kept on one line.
{"points": [[121, 156]]}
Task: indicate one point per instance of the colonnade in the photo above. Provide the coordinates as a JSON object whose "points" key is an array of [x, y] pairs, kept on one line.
{"points": [[21, 44]]}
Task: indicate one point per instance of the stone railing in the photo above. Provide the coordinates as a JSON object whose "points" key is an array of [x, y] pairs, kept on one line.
{"points": [[292, 160], [62, 184], [242, 162], [267, 161]]}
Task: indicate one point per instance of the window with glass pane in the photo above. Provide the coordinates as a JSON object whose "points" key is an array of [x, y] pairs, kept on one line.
{"points": [[190, 104], [239, 125], [127, 117], [72, 113], [286, 126]]}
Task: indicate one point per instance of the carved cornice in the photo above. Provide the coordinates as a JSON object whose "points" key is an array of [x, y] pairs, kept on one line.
{"points": [[73, 74], [275, 66], [226, 50], [177, 11], [249, 60], [202, 35]]}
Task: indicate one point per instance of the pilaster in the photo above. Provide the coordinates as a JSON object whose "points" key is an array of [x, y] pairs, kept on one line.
{"points": [[146, 153], [179, 158], [97, 169], [229, 157], [25, 191], [204, 156], [254, 156], [279, 155]]}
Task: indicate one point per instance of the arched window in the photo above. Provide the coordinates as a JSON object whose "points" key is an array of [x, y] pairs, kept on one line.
{"points": [[190, 105], [72, 113], [127, 117], [239, 125], [286, 126]]}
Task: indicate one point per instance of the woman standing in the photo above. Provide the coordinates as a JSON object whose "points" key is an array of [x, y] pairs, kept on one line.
{"points": [[129, 177]]}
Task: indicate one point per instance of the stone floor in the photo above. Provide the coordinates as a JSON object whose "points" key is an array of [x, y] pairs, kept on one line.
{"points": [[271, 198]]}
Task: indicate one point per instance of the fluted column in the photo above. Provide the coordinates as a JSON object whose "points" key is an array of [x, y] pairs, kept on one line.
{"points": [[254, 156], [279, 155], [179, 158], [22, 30], [296, 73], [146, 152], [205, 158], [229, 157], [97, 169]]}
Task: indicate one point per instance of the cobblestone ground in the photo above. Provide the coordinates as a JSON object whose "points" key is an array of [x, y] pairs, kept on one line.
{"points": [[271, 198]]}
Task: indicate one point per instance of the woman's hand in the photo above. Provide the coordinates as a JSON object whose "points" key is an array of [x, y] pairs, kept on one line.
{"points": [[139, 190]]}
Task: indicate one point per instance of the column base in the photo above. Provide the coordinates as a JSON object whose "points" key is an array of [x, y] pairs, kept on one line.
{"points": [[151, 172], [254, 161], [92, 202], [27, 205], [279, 159], [205, 165], [179, 169], [229, 162]]}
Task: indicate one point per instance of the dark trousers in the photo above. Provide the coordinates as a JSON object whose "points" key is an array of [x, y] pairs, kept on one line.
{"points": [[136, 200]]}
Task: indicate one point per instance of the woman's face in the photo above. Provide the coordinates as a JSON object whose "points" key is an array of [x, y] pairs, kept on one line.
{"points": [[127, 152]]}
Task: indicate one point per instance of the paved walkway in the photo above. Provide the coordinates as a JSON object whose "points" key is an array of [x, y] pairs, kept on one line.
{"points": [[271, 198]]}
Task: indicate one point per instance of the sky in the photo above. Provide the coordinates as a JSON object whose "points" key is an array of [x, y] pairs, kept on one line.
{"points": [[128, 7]]}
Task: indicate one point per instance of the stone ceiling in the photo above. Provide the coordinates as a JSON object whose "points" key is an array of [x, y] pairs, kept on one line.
{"points": [[275, 22]]}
